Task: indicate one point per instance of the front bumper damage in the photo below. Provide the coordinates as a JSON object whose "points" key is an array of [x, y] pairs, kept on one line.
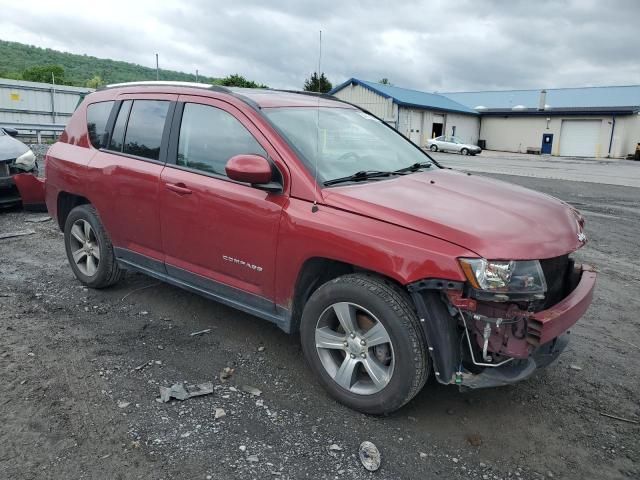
{"points": [[490, 345]]}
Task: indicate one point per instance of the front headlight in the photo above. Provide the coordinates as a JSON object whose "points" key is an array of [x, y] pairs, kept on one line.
{"points": [[26, 161], [498, 276]]}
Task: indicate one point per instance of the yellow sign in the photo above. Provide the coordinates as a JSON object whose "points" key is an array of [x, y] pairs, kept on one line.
{"points": [[14, 96]]}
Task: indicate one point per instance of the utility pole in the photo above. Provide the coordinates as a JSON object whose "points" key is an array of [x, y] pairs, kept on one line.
{"points": [[53, 99], [157, 69], [196, 75]]}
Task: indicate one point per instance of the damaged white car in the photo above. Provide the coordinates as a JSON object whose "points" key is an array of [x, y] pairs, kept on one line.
{"points": [[15, 158]]}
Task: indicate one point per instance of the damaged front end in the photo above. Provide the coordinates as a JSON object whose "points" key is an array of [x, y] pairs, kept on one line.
{"points": [[508, 320], [12, 190]]}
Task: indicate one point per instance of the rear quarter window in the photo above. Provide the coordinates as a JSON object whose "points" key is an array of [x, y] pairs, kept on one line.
{"points": [[97, 118]]}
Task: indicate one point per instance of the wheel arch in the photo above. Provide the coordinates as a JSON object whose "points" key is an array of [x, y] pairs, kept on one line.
{"points": [[316, 271], [67, 202]]}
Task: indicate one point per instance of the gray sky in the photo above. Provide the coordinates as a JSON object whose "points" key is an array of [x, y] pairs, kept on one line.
{"points": [[433, 46]]}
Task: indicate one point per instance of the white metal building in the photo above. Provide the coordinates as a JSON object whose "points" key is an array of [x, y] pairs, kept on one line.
{"points": [[574, 122], [417, 115], [37, 107]]}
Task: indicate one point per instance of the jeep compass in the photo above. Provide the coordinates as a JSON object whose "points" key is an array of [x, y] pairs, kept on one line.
{"points": [[315, 215]]}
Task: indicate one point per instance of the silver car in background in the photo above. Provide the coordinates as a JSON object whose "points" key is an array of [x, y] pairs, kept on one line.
{"points": [[452, 144]]}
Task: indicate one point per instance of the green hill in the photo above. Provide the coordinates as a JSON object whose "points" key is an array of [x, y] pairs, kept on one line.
{"points": [[15, 58]]}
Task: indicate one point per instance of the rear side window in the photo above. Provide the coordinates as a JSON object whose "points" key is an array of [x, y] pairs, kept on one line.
{"points": [[117, 137], [145, 127], [97, 118], [209, 137]]}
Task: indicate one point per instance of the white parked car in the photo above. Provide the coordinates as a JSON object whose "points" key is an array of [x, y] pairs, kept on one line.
{"points": [[452, 144]]}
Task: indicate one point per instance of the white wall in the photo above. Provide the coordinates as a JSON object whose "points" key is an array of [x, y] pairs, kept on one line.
{"points": [[626, 135], [515, 134], [363, 97], [467, 126]]}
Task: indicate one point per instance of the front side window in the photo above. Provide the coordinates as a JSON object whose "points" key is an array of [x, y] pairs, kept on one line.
{"points": [[209, 137], [145, 127], [97, 118], [343, 141]]}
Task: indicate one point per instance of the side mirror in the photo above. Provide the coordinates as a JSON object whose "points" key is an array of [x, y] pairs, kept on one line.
{"points": [[252, 169], [11, 131]]}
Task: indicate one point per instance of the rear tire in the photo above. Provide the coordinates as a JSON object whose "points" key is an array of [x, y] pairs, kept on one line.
{"points": [[384, 372], [433, 148], [89, 249]]}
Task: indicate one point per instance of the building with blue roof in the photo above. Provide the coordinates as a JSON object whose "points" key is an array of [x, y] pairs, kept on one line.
{"points": [[577, 122]]}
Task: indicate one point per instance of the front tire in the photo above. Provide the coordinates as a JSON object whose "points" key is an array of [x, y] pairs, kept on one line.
{"points": [[362, 338], [89, 249], [464, 151], [433, 148]]}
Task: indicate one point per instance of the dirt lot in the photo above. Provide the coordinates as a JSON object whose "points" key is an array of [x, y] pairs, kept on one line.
{"points": [[73, 404]]}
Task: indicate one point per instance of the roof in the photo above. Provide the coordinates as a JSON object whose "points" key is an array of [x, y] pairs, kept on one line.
{"points": [[615, 98], [257, 97], [408, 97]]}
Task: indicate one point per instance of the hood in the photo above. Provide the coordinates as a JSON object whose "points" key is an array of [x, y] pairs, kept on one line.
{"points": [[10, 148], [496, 220]]}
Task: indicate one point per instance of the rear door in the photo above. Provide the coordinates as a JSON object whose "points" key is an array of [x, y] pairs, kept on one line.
{"points": [[218, 234], [125, 176]]}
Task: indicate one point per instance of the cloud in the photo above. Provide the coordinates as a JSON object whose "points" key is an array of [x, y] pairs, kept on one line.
{"points": [[435, 46]]}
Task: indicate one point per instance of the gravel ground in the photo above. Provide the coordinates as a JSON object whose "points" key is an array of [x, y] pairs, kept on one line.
{"points": [[81, 370]]}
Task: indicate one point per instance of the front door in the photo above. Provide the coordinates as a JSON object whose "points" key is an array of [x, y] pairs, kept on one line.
{"points": [[217, 234], [547, 143]]}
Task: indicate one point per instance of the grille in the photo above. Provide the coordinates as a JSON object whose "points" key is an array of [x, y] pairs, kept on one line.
{"points": [[4, 169], [555, 274]]}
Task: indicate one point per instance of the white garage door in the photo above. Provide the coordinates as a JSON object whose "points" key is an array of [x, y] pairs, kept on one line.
{"points": [[579, 138]]}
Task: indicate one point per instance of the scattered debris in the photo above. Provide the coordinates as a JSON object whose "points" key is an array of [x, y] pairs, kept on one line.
{"points": [[243, 448], [201, 332], [333, 449], [251, 390], [140, 288], [38, 219], [369, 456], [17, 233], [226, 374], [179, 392], [261, 348], [219, 413], [252, 458], [142, 366], [260, 403], [455, 460], [474, 439], [619, 418], [575, 367], [123, 404]]}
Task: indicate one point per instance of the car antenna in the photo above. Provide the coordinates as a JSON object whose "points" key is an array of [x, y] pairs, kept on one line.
{"points": [[314, 207]]}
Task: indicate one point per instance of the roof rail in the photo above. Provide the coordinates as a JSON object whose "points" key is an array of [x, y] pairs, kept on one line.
{"points": [[167, 83]]}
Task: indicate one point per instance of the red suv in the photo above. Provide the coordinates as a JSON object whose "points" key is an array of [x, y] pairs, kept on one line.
{"points": [[317, 216]]}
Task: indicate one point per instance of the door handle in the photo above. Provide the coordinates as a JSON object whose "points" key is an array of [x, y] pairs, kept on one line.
{"points": [[180, 188]]}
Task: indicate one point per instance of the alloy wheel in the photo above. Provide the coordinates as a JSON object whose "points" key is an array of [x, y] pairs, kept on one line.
{"points": [[355, 348], [84, 247]]}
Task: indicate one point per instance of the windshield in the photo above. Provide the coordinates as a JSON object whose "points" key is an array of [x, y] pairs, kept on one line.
{"points": [[343, 141]]}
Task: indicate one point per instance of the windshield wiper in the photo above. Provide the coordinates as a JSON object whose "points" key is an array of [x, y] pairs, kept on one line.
{"points": [[415, 167], [361, 175]]}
